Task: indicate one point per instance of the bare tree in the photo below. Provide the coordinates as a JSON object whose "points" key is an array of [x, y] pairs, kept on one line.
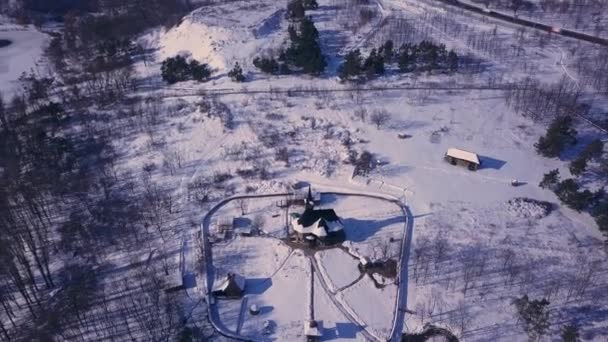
{"points": [[243, 204], [380, 118]]}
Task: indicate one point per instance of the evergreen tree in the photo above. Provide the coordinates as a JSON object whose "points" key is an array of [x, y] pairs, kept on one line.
{"points": [[550, 179], [310, 4], [351, 67], [559, 133], [578, 165], [600, 213], [387, 51], [533, 315], [295, 10], [266, 65], [305, 51], [570, 333], [199, 72], [407, 58], [452, 61], [236, 74], [173, 70], [568, 192]]}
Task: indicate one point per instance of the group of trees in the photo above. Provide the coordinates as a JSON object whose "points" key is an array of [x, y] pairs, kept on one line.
{"points": [[544, 102], [560, 134], [354, 65], [533, 315], [570, 193], [425, 56], [304, 53], [92, 56], [177, 69]]}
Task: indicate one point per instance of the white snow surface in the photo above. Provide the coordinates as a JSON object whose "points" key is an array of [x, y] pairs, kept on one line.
{"points": [[338, 267], [23, 55]]}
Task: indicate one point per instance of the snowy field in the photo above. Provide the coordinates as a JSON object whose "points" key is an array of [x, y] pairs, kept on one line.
{"points": [[22, 55], [339, 267], [282, 300], [478, 242]]}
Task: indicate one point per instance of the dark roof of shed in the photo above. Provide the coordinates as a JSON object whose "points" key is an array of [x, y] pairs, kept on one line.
{"points": [[311, 216]]}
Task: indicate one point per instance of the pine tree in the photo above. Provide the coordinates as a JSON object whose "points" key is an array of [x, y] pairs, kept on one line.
{"points": [[387, 50], [295, 10], [452, 61], [407, 58], [570, 333], [533, 315], [236, 74], [559, 134], [351, 67], [310, 4], [550, 179], [199, 72]]}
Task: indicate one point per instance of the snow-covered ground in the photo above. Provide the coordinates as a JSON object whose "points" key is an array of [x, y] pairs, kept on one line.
{"points": [[282, 299], [372, 305], [22, 55], [339, 267], [199, 159]]}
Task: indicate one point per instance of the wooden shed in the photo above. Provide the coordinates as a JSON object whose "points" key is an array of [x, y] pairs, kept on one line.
{"points": [[456, 156]]}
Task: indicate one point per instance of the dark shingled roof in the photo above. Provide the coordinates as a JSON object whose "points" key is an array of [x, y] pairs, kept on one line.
{"points": [[311, 216]]}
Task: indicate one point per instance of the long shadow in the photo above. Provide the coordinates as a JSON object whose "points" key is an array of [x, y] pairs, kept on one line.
{"points": [[361, 230], [257, 286], [491, 163], [341, 331]]}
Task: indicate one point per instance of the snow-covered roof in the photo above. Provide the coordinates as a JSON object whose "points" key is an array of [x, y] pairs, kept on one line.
{"points": [[222, 282], [463, 155], [317, 222], [313, 328]]}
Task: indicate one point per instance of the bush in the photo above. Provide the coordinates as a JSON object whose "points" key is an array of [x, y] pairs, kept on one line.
{"points": [[177, 69], [236, 74]]}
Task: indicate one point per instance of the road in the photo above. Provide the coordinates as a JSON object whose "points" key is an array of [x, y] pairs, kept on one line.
{"points": [[527, 23], [402, 277]]}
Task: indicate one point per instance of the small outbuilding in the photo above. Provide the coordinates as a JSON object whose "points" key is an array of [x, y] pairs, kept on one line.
{"points": [[224, 224], [230, 285], [456, 156], [313, 330]]}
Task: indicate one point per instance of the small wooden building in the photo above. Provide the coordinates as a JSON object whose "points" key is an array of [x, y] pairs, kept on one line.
{"points": [[229, 286], [456, 156]]}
